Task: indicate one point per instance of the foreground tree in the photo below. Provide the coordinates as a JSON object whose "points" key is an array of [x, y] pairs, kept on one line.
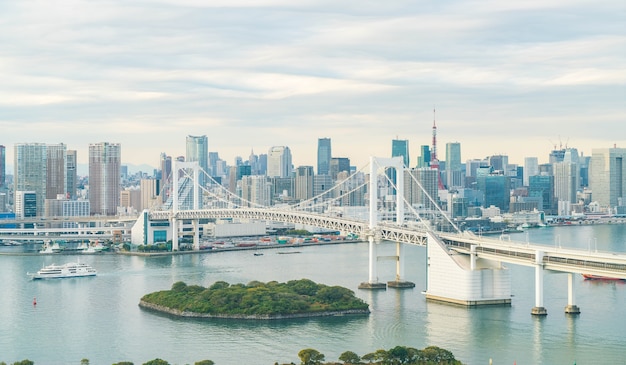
{"points": [[156, 361], [350, 358], [310, 357], [204, 362]]}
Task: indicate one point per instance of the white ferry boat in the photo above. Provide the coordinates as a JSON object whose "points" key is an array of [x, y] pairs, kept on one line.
{"points": [[69, 270]]}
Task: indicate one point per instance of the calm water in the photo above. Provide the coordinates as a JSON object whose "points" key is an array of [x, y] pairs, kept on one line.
{"points": [[98, 318]]}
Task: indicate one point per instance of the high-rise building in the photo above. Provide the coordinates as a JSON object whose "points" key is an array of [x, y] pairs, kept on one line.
{"points": [[304, 182], [72, 174], [198, 151], [3, 169], [608, 176], [421, 187], [165, 163], [256, 190], [565, 181], [324, 154], [424, 158], [56, 171], [400, 147], [26, 205], [279, 162], [542, 186], [454, 166], [30, 165], [105, 161], [337, 165], [531, 168], [150, 197]]}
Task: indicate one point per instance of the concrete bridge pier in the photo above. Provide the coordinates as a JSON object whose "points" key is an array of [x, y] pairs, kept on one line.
{"points": [[466, 280], [400, 282], [372, 282], [174, 234], [196, 234], [571, 307], [539, 309]]}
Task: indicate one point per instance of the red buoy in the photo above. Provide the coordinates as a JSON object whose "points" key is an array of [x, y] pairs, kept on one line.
{"points": [[35, 301]]}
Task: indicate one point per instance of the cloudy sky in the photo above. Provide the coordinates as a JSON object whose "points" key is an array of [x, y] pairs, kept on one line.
{"points": [[505, 77]]}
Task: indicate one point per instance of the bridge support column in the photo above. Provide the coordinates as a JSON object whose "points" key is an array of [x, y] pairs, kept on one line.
{"points": [[174, 234], [399, 282], [196, 235], [372, 282], [571, 307], [538, 309]]}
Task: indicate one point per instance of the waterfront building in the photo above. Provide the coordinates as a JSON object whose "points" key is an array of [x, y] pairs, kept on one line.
{"points": [[531, 168], [3, 169], [279, 162], [337, 165], [26, 206], [496, 188], [542, 187], [304, 183], [608, 176], [31, 168], [104, 177], [565, 181], [454, 167], [324, 154], [72, 174]]}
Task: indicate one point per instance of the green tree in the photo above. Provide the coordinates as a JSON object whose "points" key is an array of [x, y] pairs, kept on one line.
{"points": [[124, 363], [310, 357], [156, 361], [350, 357], [84, 362], [24, 362], [204, 362]]}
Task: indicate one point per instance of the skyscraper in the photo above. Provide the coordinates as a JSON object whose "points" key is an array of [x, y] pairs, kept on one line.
{"points": [[607, 176], [30, 164], [531, 168], [337, 165], [105, 160], [56, 171], [279, 162], [454, 167], [304, 182], [424, 159], [3, 169], [400, 147], [72, 174], [198, 151], [324, 154]]}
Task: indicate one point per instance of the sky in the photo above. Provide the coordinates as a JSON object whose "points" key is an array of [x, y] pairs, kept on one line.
{"points": [[505, 77]]}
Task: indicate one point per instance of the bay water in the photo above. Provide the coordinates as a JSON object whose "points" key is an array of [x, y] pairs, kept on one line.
{"points": [[98, 318]]}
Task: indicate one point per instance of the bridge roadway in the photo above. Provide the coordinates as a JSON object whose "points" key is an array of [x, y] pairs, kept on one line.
{"points": [[520, 253]]}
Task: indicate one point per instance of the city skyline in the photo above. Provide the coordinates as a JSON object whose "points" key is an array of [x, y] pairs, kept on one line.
{"points": [[505, 78]]}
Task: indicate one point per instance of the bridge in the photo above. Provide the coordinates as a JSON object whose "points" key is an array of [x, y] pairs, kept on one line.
{"points": [[463, 268]]}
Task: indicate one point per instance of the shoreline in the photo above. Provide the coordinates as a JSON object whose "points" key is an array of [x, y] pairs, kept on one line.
{"points": [[184, 314]]}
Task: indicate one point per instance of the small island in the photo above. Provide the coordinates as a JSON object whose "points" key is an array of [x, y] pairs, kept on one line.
{"points": [[256, 300]]}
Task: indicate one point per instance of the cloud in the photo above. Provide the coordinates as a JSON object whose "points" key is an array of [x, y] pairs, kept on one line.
{"points": [[252, 74]]}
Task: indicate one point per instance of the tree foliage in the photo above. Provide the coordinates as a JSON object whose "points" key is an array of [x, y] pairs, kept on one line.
{"points": [[257, 298], [310, 357], [350, 358]]}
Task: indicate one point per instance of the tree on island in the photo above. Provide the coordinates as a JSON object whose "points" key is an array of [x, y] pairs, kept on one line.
{"points": [[350, 358]]}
